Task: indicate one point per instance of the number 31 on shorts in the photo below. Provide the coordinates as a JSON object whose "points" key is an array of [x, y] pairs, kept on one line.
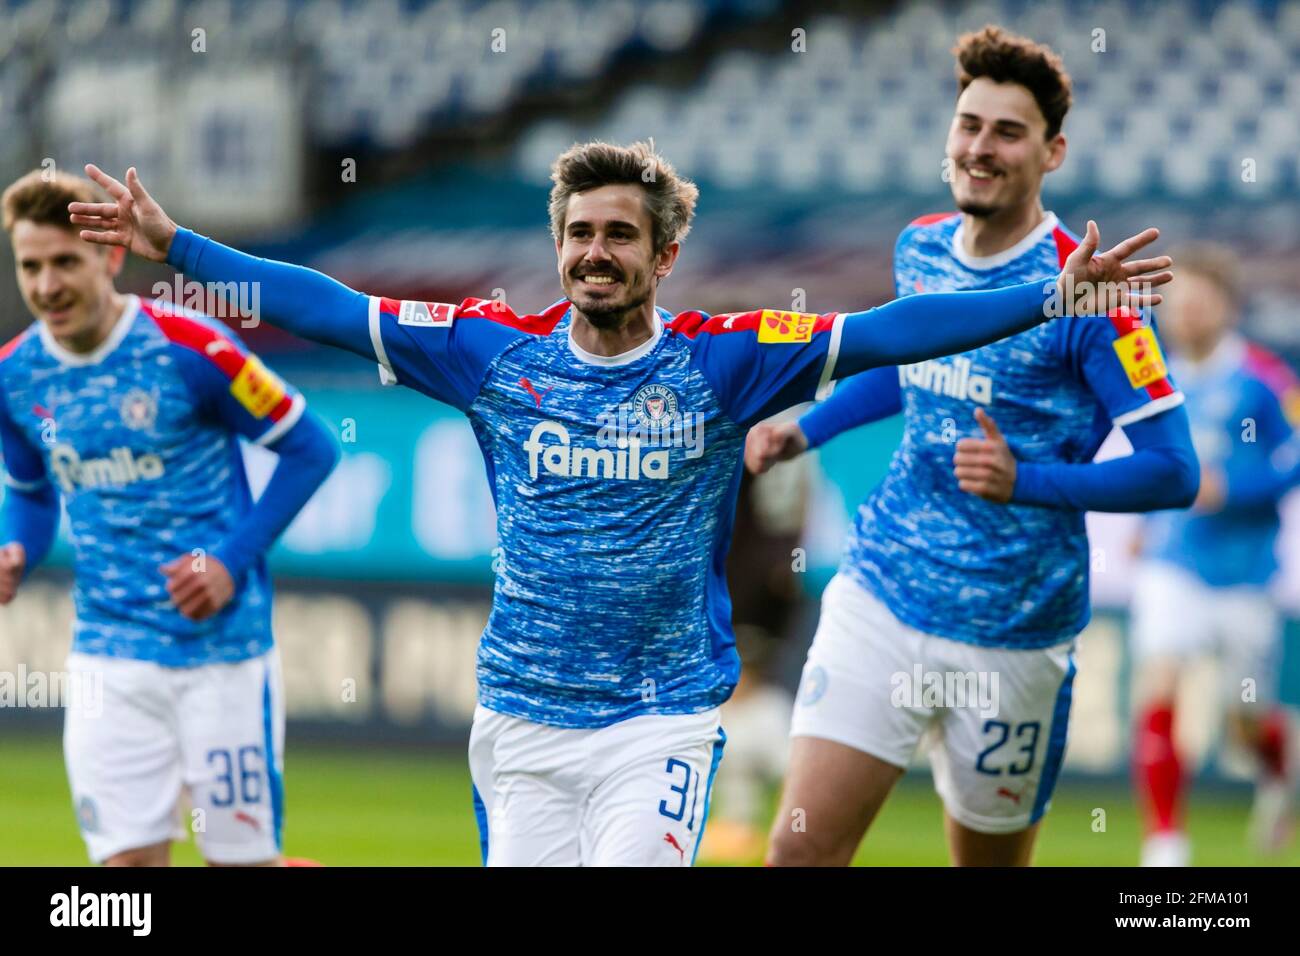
{"points": [[685, 785]]}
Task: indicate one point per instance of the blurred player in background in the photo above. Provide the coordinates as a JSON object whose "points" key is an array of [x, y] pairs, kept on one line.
{"points": [[1202, 582], [974, 565], [612, 433], [133, 413], [766, 598]]}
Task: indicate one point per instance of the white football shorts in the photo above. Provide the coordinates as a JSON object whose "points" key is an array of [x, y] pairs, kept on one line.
{"points": [[145, 734], [996, 718], [1176, 614], [635, 793]]}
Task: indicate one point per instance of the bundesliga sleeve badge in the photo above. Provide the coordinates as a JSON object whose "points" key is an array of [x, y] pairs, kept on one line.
{"points": [[429, 314]]}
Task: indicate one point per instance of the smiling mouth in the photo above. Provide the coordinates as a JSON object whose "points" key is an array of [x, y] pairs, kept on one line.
{"points": [[599, 281], [981, 175]]}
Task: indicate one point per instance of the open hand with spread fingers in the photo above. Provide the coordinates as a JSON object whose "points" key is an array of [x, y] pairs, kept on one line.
{"points": [[132, 219], [1091, 284]]}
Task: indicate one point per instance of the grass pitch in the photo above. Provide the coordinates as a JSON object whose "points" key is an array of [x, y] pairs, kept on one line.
{"points": [[367, 807]]}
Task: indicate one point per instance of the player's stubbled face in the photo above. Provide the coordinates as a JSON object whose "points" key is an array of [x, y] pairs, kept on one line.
{"points": [[1195, 314], [606, 254], [996, 148], [63, 280]]}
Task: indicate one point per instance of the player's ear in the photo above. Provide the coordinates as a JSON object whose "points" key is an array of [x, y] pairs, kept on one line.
{"points": [[666, 258], [116, 257], [1055, 152]]}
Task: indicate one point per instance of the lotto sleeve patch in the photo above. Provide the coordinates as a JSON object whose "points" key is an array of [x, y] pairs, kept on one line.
{"points": [[775, 327], [1139, 353], [257, 388]]}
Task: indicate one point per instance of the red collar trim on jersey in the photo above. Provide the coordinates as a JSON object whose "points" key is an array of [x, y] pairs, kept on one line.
{"points": [[11, 346], [933, 217]]}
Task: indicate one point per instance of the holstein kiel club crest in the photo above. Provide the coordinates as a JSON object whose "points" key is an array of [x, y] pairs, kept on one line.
{"points": [[654, 405], [139, 409]]}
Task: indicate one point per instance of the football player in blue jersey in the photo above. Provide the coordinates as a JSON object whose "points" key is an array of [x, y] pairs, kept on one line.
{"points": [[964, 580], [613, 434], [1202, 582], [132, 411]]}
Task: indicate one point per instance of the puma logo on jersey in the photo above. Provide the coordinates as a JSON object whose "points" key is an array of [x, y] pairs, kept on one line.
{"points": [[565, 460], [951, 377], [672, 842], [119, 469], [528, 387]]}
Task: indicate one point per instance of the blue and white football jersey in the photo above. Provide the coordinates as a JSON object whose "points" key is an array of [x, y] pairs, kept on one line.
{"points": [[615, 483], [1243, 403], [141, 440], [950, 563]]}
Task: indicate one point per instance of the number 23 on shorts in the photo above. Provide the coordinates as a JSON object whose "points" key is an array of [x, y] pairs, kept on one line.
{"points": [[1023, 737]]}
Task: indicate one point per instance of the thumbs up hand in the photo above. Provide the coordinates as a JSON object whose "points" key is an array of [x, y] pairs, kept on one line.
{"points": [[985, 466]]}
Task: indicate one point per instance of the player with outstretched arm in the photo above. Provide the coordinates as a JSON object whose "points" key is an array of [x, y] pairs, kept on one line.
{"points": [[967, 567], [132, 411], [612, 433]]}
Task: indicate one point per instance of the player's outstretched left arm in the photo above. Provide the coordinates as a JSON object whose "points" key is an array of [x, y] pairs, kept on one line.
{"points": [[929, 325]]}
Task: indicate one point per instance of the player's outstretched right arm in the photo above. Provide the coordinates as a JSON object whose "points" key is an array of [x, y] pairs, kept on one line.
{"points": [[295, 298]]}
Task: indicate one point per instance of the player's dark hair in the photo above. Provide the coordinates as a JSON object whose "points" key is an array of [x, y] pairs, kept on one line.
{"points": [[42, 197], [1007, 58], [669, 198], [1212, 261]]}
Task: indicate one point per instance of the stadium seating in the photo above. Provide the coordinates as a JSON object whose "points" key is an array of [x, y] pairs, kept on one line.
{"points": [[866, 95], [380, 71]]}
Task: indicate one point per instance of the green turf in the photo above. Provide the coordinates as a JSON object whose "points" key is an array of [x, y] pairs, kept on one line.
{"points": [[377, 807]]}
